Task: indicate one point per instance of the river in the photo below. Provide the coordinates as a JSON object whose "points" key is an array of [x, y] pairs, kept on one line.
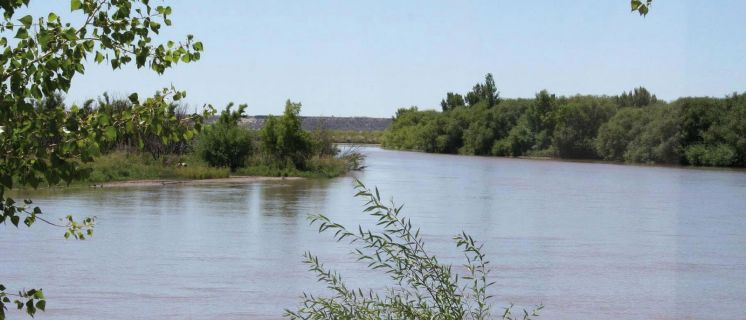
{"points": [[586, 240]]}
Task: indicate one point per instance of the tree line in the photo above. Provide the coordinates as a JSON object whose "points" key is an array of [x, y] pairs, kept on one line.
{"points": [[633, 126]]}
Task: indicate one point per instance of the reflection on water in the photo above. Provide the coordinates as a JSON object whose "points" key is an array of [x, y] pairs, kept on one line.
{"points": [[587, 240]]}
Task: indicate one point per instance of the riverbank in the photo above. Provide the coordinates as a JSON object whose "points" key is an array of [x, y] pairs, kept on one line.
{"points": [[124, 184], [588, 161], [120, 167], [153, 183]]}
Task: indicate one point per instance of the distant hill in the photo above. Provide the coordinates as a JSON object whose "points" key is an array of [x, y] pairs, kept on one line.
{"points": [[330, 123]]}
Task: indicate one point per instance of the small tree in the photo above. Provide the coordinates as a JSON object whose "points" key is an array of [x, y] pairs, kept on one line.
{"points": [[424, 287], [486, 93], [283, 139], [225, 143]]}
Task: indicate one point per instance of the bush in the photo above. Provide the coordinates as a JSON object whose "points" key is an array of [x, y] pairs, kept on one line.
{"points": [[659, 140], [615, 136], [577, 127], [518, 142], [225, 144], [706, 155], [424, 287], [283, 140], [322, 142]]}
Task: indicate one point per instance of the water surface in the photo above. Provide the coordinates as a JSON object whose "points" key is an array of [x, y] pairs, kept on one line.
{"points": [[586, 240]]}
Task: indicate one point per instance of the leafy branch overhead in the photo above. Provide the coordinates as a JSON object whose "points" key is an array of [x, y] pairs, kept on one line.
{"points": [[45, 143]]}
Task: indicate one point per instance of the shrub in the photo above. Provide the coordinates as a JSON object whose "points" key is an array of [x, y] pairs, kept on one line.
{"points": [[425, 288], [708, 155], [322, 142], [283, 140], [225, 144], [518, 142], [615, 136]]}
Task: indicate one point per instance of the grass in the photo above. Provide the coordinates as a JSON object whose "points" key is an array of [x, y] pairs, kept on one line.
{"points": [[317, 167], [123, 166]]}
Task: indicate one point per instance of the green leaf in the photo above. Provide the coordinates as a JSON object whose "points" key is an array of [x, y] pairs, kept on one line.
{"points": [[52, 16], [110, 133], [30, 308], [41, 305], [15, 220], [75, 5], [99, 57], [635, 4], [26, 21], [643, 10], [103, 119], [134, 99], [22, 33]]}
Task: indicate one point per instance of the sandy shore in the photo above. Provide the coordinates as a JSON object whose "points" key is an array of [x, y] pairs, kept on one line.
{"points": [[148, 183]]}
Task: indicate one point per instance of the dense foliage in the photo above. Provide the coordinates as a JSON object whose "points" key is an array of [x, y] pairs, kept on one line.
{"points": [[225, 144], [283, 141], [633, 127], [43, 142], [423, 287]]}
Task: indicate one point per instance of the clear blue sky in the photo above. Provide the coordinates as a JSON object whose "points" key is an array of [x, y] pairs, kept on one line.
{"points": [[369, 58]]}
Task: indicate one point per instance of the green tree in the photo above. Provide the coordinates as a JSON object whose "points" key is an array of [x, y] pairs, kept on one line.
{"points": [[283, 139], [540, 118], [40, 56], [732, 130], [615, 135], [225, 143], [577, 126], [406, 131], [710, 155], [151, 142], [452, 101], [697, 117], [484, 92], [659, 140], [520, 140], [713, 130], [488, 124], [638, 97]]}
